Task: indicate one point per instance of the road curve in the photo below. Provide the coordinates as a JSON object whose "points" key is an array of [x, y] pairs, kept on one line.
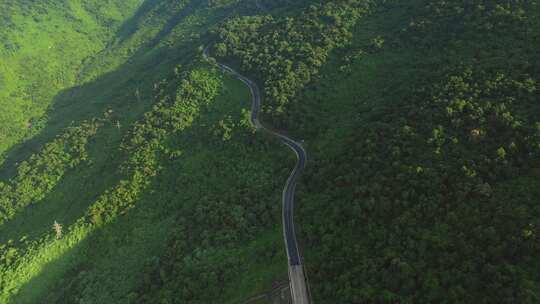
{"points": [[297, 278]]}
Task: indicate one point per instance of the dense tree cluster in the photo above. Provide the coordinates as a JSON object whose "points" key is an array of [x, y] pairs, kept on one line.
{"points": [[287, 53], [455, 19], [235, 205], [206, 251], [427, 210], [433, 194]]}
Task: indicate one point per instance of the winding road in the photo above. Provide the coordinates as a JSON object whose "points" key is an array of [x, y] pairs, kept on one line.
{"points": [[297, 278]]}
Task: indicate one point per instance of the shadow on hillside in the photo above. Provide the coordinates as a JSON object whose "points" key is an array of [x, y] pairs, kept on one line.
{"points": [[65, 274], [37, 286], [171, 23], [72, 195], [130, 27], [114, 90], [77, 189]]}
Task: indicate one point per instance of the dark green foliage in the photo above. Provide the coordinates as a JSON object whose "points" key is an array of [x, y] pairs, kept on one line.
{"points": [[431, 190], [421, 120], [287, 53], [429, 222]]}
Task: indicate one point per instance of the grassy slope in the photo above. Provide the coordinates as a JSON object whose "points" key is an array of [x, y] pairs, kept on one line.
{"points": [[45, 44]]}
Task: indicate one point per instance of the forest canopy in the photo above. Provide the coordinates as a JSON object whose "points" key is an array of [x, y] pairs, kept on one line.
{"points": [[131, 172]]}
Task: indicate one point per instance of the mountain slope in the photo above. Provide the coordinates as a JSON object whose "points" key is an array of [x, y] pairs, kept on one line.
{"points": [[421, 121], [44, 45]]}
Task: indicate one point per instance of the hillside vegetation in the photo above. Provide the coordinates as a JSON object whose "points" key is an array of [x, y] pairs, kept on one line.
{"points": [[43, 47], [421, 120]]}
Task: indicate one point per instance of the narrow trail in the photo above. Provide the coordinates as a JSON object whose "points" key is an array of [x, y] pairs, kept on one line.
{"points": [[297, 278]]}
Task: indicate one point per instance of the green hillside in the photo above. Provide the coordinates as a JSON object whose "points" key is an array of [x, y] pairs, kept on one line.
{"points": [[44, 45], [130, 171]]}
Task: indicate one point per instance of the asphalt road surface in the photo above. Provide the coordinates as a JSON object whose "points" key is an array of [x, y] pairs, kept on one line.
{"points": [[297, 278]]}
